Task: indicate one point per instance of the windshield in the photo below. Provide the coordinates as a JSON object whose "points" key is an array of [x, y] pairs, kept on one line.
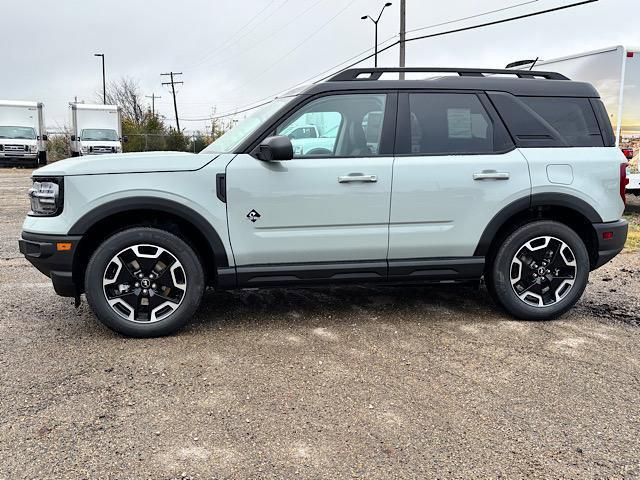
{"points": [[99, 135], [233, 138], [18, 132]]}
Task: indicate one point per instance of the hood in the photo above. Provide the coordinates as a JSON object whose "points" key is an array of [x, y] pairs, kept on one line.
{"points": [[127, 163], [18, 141], [97, 143]]}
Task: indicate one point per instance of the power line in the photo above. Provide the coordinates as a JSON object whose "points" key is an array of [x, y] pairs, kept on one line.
{"points": [[173, 92], [257, 44], [458, 30], [298, 45], [230, 42]]}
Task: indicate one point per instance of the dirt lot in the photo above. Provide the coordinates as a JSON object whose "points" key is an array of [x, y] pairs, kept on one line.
{"points": [[375, 382]]}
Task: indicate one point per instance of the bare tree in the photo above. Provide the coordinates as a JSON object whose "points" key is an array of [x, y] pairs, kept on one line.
{"points": [[126, 94]]}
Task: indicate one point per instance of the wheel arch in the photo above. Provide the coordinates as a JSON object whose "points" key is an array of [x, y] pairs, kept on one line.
{"points": [[121, 214], [567, 209]]}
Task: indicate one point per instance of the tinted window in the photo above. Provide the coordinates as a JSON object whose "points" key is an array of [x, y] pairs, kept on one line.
{"points": [[573, 119], [346, 126], [449, 123]]}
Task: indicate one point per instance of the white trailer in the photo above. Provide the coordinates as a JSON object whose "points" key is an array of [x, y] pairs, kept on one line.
{"points": [[95, 129], [22, 133], [615, 72]]}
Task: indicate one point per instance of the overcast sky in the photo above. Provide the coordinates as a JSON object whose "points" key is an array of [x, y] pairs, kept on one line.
{"points": [[233, 53]]}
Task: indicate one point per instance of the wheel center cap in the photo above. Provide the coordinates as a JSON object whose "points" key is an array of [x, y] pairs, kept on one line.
{"points": [[542, 271], [145, 283]]}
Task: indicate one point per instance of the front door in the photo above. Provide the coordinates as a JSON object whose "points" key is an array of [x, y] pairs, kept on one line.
{"points": [[327, 210]]}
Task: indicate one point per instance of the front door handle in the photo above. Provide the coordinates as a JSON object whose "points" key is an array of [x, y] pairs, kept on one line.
{"points": [[491, 175], [357, 177]]}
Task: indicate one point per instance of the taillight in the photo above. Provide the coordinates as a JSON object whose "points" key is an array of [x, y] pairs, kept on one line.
{"points": [[628, 153], [624, 181]]}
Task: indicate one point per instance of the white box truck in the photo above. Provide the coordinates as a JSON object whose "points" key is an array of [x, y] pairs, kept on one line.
{"points": [[615, 72], [22, 133], [95, 129]]}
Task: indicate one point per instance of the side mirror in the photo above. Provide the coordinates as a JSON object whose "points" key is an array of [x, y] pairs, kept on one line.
{"points": [[73, 138], [45, 137], [275, 149], [125, 138]]}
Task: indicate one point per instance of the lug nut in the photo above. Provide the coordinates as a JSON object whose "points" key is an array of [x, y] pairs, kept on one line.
{"points": [[145, 291], [151, 275], [137, 284], [535, 275], [140, 275], [153, 285]]}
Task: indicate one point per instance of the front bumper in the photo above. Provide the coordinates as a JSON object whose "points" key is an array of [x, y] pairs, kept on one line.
{"points": [[42, 251], [611, 239], [19, 156]]}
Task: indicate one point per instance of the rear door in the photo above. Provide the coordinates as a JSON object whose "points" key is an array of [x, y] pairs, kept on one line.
{"points": [[327, 210], [455, 168]]}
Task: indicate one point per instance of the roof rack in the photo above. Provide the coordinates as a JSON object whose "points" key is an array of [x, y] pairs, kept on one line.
{"points": [[360, 74]]}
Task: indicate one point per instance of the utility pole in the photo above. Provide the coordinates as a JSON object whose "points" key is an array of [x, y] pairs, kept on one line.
{"points": [[403, 33], [104, 83], [173, 92], [153, 97]]}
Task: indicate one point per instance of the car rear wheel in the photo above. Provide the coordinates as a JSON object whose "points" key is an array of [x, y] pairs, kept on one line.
{"points": [[540, 271], [144, 282]]}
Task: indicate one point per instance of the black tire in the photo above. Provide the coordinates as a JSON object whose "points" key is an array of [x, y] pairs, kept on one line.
{"points": [[501, 272], [42, 159], [194, 281]]}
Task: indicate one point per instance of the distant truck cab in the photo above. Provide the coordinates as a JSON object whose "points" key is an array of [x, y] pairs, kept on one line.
{"points": [[95, 129], [22, 133]]}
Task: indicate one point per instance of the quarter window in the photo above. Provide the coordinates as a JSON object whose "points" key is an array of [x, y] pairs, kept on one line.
{"points": [[449, 123], [573, 119], [337, 126]]}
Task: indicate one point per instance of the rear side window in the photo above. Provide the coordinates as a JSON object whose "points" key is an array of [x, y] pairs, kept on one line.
{"points": [[573, 118], [449, 123]]}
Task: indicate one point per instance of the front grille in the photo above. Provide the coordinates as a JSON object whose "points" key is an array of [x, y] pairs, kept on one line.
{"points": [[99, 150], [16, 148]]}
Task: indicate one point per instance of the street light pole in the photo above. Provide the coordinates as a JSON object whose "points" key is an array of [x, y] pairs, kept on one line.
{"points": [[104, 83], [375, 23]]}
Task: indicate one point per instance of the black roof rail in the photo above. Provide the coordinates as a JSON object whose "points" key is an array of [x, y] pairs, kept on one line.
{"points": [[360, 74]]}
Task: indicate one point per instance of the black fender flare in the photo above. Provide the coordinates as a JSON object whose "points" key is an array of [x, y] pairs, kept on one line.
{"points": [[82, 225], [526, 203]]}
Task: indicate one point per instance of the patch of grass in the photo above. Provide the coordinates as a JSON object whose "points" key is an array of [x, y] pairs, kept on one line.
{"points": [[632, 215]]}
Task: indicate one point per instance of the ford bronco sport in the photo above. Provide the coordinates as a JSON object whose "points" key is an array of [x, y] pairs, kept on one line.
{"points": [[508, 175]]}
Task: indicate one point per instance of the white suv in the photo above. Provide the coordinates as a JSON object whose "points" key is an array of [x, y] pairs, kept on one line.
{"points": [[451, 178]]}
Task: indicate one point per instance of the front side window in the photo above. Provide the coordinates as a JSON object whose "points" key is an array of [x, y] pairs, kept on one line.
{"points": [[99, 135], [449, 123], [23, 133], [337, 126]]}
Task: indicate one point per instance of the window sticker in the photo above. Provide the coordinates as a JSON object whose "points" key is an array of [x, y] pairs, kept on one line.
{"points": [[460, 125]]}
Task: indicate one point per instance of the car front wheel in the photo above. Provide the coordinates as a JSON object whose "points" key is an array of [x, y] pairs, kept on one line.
{"points": [[144, 282], [540, 271]]}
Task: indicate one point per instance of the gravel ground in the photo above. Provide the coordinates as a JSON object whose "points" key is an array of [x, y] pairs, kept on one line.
{"points": [[373, 382]]}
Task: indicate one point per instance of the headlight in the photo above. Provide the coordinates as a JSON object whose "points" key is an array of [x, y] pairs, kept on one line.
{"points": [[46, 196], [85, 149], [118, 149], [33, 148]]}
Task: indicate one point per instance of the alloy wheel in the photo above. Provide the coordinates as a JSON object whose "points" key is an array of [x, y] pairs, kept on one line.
{"points": [[144, 283], [543, 271]]}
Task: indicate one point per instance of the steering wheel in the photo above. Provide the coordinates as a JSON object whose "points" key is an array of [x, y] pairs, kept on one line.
{"points": [[319, 151]]}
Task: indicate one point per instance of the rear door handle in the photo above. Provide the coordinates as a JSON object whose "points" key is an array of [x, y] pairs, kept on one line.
{"points": [[357, 177], [491, 175]]}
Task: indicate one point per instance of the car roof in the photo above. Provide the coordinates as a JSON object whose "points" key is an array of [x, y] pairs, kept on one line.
{"points": [[521, 83]]}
